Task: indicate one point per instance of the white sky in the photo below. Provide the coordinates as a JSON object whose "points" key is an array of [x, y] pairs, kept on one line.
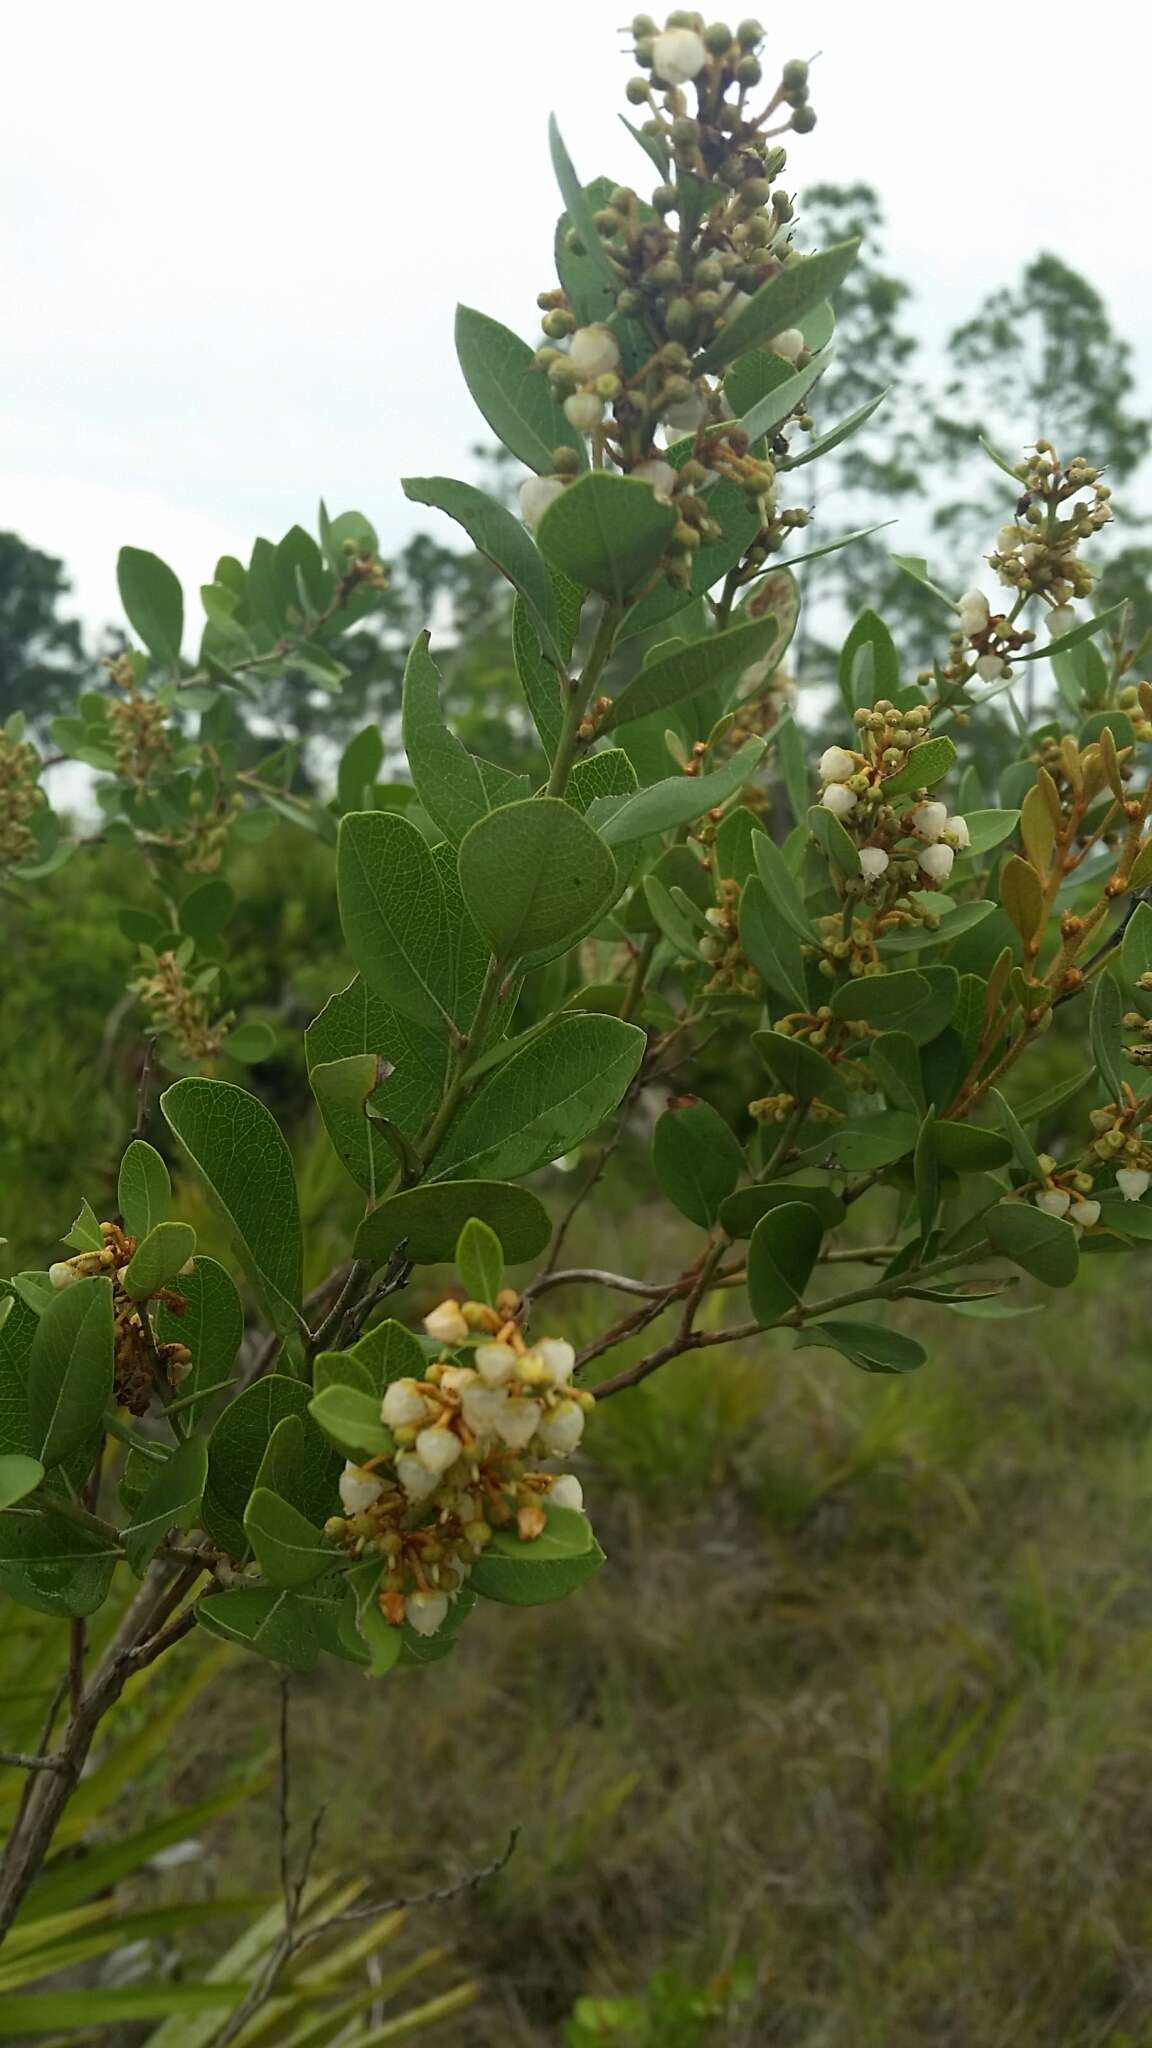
{"points": [[232, 233]]}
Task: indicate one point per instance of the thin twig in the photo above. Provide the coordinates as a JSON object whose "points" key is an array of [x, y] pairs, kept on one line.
{"points": [[409, 1901], [143, 1086], [596, 1276], [25, 1760]]}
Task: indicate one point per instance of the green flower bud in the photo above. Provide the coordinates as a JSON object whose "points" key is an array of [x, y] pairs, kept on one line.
{"points": [[749, 34], [575, 245], [557, 324], [718, 38], [664, 199], [644, 53], [798, 97], [709, 272], [561, 375], [775, 161], [685, 131], [643, 25], [565, 462], [630, 302], [758, 231], [749, 71], [680, 318], [795, 73], [782, 206], [665, 274], [545, 357], [708, 303], [637, 91], [756, 192], [804, 120], [608, 221], [623, 199]]}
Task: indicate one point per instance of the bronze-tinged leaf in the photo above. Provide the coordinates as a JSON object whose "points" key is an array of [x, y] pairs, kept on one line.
{"points": [[1037, 828], [1140, 873], [1022, 894], [1111, 763], [1070, 755], [997, 983], [1051, 796], [1092, 771]]}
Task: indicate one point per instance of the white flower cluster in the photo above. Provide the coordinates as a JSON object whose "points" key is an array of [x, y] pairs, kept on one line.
{"points": [[942, 836], [594, 358], [975, 617], [458, 1472]]}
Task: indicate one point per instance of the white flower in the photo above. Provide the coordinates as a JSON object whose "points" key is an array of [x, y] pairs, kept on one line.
{"points": [[567, 1492], [660, 475], [974, 613], [1006, 539], [1084, 1213], [426, 1612], [1133, 1182], [990, 667], [1061, 619], [685, 414], [1054, 1201], [536, 494], [936, 861], [415, 1477], [455, 1378], [562, 1429], [437, 1449], [956, 833], [839, 799], [61, 1274], [403, 1404], [482, 1408], [929, 820], [446, 1323], [873, 861], [594, 352], [584, 410], [790, 344], [557, 1357], [358, 1489], [495, 1363], [836, 764], [518, 1423], [736, 304], [678, 55]]}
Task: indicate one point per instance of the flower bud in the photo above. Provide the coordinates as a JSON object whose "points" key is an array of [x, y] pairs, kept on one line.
{"points": [[685, 414], [836, 764], [584, 410], [426, 1612], [804, 120], [495, 1363], [415, 1478], [677, 55], [873, 861], [1060, 620], [358, 1489], [446, 1323], [536, 494], [660, 475], [437, 1449], [957, 834], [929, 820], [561, 1429], [518, 1423], [838, 799], [974, 613], [990, 668], [594, 352], [403, 1405], [567, 1492], [557, 1357], [1133, 1182], [62, 1274], [1054, 1201], [790, 344], [936, 861]]}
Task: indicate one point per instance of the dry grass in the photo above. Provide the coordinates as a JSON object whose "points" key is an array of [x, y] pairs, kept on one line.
{"points": [[863, 1696]]}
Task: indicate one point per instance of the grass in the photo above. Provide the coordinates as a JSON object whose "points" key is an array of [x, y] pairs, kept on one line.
{"points": [[862, 1697]]}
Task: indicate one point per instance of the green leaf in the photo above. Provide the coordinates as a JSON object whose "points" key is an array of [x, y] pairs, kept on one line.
{"points": [[236, 1450], [447, 778], [1105, 1030], [480, 1261], [1136, 950], [515, 398], [781, 303], [212, 1326], [875, 998], [969, 1148], [666, 806], [534, 874], [537, 672], [206, 909], [158, 1259], [679, 669], [360, 765], [245, 1167], [1043, 1245], [925, 765], [351, 1420], [355, 1022], [868, 1345], [763, 389], [543, 1101], [286, 1546], [19, 1476], [741, 1212], [70, 1375], [385, 1353], [250, 1043], [1083, 631], [84, 1235], [918, 939], [987, 829], [500, 537], [1022, 1146], [670, 920], [277, 1625], [578, 206], [782, 1252], [607, 774], [144, 1190], [772, 946], [896, 1065], [869, 666], [393, 913], [834, 841], [428, 1220], [799, 1070], [872, 1142], [824, 443], [153, 602], [170, 1501], [343, 1089], [523, 1574], [607, 533], [381, 1638], [697, 1160], [926, 1175], [54, 1566], [780, 885]]}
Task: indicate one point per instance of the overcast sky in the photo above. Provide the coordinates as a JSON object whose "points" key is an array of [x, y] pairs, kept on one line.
{"points": [[232, 233]]}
